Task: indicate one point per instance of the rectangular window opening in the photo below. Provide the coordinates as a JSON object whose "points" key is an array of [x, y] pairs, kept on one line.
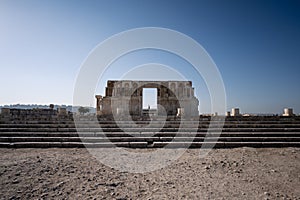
{"points": [[149, 98]]}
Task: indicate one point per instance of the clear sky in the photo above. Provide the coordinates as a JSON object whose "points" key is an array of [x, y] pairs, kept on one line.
{"points": [[255, 44]]}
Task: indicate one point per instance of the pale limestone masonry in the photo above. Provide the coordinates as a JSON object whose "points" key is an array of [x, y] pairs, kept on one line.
{"points": [[62, 111], [5, 111], [13, 114], [235, 112], [288, 112], [126, 97]]}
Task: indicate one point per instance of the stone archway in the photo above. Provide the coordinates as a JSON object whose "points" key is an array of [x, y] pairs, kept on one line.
{"points": [[126, 96]]}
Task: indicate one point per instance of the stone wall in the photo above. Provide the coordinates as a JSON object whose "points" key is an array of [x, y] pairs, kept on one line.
{"points": [[12, 114]]}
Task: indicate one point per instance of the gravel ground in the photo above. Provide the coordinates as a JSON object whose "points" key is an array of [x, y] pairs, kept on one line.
{"points": [[241, 173]]}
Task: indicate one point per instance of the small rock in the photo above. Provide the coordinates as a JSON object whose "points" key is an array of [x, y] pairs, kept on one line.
{"points": [[15, 181], [207, 167], [58, 185], [12, 197], [267, 193], [113, 184], [44, 195]]}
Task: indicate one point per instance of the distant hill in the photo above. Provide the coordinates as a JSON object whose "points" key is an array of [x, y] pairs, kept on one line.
{"points": [[31, 106]]}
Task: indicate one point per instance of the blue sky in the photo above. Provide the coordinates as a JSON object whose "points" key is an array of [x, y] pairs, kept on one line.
{"points": [[255, 44]]}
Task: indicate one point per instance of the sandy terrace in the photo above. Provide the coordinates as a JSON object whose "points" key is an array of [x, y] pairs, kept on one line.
{"points": [[241, 173]]}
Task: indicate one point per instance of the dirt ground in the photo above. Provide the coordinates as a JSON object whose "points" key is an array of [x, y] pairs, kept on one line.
{"points": [[241, 173]]}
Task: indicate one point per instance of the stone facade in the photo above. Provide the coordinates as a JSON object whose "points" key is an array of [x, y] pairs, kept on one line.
{"points": [[15, 114], [126, 97]]}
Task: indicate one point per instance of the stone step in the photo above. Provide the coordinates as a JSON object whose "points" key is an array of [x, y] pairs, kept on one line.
{"points": [[147, 129], [224, 144], [148, 139], [154, 122], [237, 132], [146, 145], [149, 134], [153, 125], [62, 145], [201, 120]]}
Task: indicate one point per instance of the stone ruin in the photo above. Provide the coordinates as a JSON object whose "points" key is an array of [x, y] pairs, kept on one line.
{"points": [[125, 97], [36, 114]]}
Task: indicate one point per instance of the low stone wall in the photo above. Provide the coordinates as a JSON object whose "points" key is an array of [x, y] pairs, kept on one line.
{"points": [[62, 115], [263, 118], [23, 115]]}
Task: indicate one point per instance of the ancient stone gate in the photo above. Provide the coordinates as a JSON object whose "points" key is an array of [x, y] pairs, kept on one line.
{"points": [[126, 97]]}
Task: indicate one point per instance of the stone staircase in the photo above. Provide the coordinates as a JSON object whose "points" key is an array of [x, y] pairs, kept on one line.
{"points": [[236, 132]]}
